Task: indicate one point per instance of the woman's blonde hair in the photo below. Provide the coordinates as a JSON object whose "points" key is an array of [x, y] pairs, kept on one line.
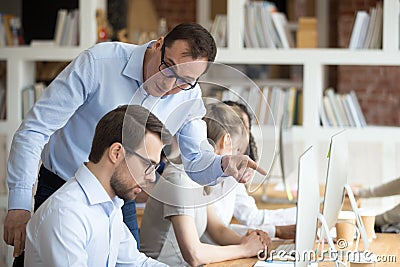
{"points": [[222, 119]]}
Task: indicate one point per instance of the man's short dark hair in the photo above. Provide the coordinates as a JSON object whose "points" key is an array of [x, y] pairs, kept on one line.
{"points": [[127, 125], [201, 43]]}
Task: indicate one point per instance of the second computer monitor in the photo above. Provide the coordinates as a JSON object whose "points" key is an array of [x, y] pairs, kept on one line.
{"points": [[336, 178]]}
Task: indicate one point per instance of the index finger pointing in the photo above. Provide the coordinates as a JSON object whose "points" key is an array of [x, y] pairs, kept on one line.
{"points": [[255, 166]]}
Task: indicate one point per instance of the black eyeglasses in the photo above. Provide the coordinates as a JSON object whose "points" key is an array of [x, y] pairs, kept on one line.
{"points": [[167, 71], [151, 166]]}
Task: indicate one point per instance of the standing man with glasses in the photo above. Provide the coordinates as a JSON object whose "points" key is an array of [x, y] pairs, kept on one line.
{"points": [[81, 224], [161, 75]]}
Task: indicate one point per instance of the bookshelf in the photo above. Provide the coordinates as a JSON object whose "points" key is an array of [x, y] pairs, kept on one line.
{"points": [[20, 69], [20, 62], [381, 144]]}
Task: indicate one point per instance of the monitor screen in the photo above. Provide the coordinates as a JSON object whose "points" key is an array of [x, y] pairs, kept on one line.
{"points": [[336, 178], [308, 200]]}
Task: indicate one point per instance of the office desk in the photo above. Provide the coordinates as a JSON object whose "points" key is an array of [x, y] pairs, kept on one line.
{"points": [[384, 246]]}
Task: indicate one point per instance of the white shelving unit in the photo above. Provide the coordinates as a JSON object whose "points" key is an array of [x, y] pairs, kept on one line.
{"points": [[20, 65], [373, 150], [21, 62]]}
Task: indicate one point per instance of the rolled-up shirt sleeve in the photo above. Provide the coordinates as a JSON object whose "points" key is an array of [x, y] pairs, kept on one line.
{"points": [[201, 163], [198, 157]]}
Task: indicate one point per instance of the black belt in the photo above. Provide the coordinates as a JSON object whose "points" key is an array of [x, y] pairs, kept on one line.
{"points": [[50, 178]]}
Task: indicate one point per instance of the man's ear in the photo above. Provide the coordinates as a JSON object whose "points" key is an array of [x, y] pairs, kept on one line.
{"points": [[116, 152], [158, 44]]}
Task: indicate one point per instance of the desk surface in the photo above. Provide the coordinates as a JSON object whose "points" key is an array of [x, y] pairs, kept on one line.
{"points": [[385, 246]]}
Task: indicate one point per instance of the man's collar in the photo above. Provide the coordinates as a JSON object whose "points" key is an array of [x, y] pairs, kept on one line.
{"points": [[93, 189], [134, 67]]}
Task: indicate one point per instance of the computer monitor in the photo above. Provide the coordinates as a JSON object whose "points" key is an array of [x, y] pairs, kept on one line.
{"points": [[308, 201], [336, 184], [336, 178], [307, 212]]}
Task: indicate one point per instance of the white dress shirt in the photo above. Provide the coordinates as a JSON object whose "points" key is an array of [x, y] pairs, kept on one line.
{"points": [[80, 225], [237, 203]]}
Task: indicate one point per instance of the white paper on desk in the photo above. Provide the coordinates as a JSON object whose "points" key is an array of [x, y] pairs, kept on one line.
{"points": [[280, 264]]}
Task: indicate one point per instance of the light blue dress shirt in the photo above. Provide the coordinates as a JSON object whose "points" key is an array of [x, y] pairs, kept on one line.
{"points": [[80, 225], [61, 125]]}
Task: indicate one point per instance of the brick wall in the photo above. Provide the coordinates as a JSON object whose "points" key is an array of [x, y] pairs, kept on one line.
{"points": [[176, 11], [377, 87]]}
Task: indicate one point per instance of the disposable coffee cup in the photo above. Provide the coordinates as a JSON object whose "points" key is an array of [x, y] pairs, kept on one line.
{"points": [[345, 215], [344, 234], [345, 227], [368, 219]]}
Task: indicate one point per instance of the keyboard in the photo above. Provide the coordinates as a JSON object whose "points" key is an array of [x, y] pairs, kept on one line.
{"points": [[284, 251]]}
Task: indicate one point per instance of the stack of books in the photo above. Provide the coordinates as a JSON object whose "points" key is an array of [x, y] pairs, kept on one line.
{"points": [[367, 29], [66, 31], [218, 30], [10, 30], [268, 104], [306, 36], [265, 27], [341, 110]]}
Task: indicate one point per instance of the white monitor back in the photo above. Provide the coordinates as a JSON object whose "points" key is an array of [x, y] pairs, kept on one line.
{"points": [[308, 200], [336, 178]]}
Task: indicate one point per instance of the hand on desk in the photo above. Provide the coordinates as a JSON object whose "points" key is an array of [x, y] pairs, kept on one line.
{"points": [[286, 231], [263, 236], [255, 241]]}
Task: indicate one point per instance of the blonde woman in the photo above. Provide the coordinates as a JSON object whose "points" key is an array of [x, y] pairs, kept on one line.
{"points": [[238, 204], [177, 214]]}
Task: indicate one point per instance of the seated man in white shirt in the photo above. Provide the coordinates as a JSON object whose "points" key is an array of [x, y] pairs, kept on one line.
{"points": [[81, 224]]}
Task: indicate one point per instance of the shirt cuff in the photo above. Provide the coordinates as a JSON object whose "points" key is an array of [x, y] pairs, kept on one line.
{"points": [[217, 169], [268, 228], [20, 199], [210, 173]]}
